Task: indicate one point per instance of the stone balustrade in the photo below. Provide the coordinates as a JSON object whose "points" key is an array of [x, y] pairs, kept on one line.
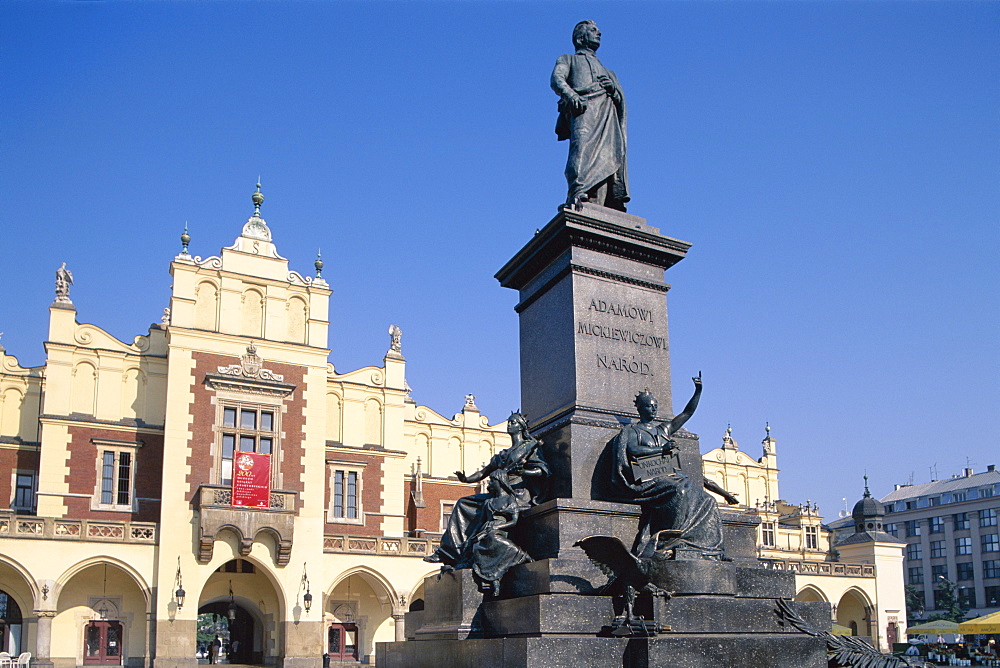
{"points": [[404, 547], [820, 567], [13, 525]]}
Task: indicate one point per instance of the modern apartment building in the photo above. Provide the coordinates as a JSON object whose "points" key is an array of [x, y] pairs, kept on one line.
{"points": [[952, 532]]}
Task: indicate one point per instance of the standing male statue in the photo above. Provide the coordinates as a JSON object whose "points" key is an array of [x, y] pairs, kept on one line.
{"points": [[592, 117]]}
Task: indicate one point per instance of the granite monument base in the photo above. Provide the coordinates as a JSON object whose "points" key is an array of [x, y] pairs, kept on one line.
{"points": [[551, 613]]}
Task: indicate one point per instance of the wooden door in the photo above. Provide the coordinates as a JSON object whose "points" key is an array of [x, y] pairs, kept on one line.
{"points": [[102, 643], [342, 642]]}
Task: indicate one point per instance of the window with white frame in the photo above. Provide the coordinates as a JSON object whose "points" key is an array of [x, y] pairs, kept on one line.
{"points": [[116, 462], [345, 494], [447, 508], [812, 538], [767, 534], [25, 485], [245, 427]]}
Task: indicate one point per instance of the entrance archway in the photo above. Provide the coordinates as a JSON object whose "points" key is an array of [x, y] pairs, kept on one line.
{"points": [[359, 609], [101, 612], [238, 612], [236, 631], [11, 624], [852, 612]]}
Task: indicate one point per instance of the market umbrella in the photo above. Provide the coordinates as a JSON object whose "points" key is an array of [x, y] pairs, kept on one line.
{"points": [[839, 630], [938, 626], [986, 624]]}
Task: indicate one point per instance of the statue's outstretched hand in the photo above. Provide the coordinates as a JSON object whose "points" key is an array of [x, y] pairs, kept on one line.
{"points": [[461, 476], [697, 380]]}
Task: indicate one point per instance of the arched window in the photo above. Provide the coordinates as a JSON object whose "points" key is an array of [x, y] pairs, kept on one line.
{"points": [[10, 624]]}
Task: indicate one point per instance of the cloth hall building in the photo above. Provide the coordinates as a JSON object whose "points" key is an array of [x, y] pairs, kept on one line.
{"points": [[220, 464]]}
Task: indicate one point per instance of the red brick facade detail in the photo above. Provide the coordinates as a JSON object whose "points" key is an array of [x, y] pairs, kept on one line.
{"points": [[82, 476], [428, 518], [21, 460], [203, 411], [372, 486]]}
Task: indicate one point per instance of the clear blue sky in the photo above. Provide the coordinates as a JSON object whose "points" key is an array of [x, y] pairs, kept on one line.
{"points": [[836, 166]]}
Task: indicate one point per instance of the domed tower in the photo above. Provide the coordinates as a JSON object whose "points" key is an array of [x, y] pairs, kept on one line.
{"points": [[868, 513]]}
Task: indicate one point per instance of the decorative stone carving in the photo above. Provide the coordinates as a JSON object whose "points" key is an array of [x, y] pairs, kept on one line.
{"points": [[251, 366]]}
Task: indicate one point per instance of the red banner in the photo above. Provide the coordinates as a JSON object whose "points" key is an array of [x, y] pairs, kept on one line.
{"points": [[252, 480]]}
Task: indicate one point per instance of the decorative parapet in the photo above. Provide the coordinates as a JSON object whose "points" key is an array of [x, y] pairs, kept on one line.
{"points": [[49, 528], [834, 568], [395, 547], [217, 513]]}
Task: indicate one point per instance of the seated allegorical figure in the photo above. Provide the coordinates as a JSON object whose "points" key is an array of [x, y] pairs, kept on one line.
{"points": [[518, 472], [677, 511]]}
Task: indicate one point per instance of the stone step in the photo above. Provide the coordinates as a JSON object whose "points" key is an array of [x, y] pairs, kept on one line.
{"points": [[683, 651], [573, 614], [581, 576]]}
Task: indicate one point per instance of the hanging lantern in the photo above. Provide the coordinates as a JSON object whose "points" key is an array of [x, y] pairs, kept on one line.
{"points": [[179, 596]]}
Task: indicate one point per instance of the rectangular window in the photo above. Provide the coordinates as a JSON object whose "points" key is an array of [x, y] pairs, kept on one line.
{"points": [[914, 551], [959, 497], [963, 545], [346, 495], [938, 572], [985, 492], [446, 509], [767, 534], [245, 428], [24, 492], [938, 549], [812, 538], [991, 543], [991, 594], [988, 517], [934, 501], [115, 489], [910, 505], [964, 571], [967, 597], [939, 601], [916, 575], [937, 525], [961, 521], [912, 528], [892, 529], [991, 568]]}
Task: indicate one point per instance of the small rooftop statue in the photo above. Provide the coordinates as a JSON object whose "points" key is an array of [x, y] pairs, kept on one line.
{"points": [[592, 117], [64, 279], [395, 339]]}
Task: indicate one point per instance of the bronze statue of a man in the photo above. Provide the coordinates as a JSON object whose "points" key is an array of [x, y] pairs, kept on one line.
{"points": [[592, 117]]}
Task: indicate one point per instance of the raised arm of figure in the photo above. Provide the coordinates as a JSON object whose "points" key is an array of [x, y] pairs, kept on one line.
{"points": [[688, 411]]}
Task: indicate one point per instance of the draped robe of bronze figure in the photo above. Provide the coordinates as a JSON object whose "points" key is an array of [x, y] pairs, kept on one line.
{"points": [[679, 510], [476, 535], [592, 117]]}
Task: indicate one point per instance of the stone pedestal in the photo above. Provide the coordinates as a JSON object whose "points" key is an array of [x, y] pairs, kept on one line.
{"points": [[593, 333]]}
